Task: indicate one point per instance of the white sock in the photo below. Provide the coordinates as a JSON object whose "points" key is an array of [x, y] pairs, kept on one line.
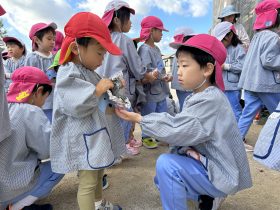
{"points": [[98, 203], [27, 201]]}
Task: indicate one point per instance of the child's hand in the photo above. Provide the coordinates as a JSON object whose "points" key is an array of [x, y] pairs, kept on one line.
{"points": [[194, 154], [167, 78], [155, 73], [102, 86], [129, 116]]}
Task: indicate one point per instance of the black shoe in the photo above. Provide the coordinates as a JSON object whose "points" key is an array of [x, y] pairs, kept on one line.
{"points": [[38, 207], [206, 202]]}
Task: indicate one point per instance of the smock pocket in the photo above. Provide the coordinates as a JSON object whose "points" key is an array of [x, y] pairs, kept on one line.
{"points": [[99, 149], [276, 75], [156, 88], [232, 78]]}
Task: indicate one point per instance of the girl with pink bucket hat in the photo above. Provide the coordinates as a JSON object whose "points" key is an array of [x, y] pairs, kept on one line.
{"points": [[260, 76], [199, 168], [117, 18], [156, 91]]}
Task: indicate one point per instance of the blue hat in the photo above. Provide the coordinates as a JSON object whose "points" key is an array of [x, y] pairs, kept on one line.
{"points": [[229, 10]]}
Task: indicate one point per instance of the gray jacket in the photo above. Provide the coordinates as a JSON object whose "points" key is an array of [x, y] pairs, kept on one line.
{"points": [[151, 59], [20, 153], [206, 123], [261, 69], [234, 62], [129, 63], [84, 137]]}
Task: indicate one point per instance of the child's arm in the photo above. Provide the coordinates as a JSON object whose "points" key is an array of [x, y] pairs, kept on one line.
{"points": [[236, 60]]}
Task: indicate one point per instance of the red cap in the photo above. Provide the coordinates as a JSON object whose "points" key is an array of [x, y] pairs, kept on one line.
{"points": [[24, 80], [38, 27], [2, 11], [86, 24], [112, 7], [212, 46], [10, 38], [266, 12], [147, 24]]}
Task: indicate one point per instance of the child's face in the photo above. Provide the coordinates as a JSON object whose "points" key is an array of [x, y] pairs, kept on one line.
{"points": [[156, 34], [190, 74], [92, 55], [14, 50], [229, 18], [47, 43], [227, 40], [126, 26]]}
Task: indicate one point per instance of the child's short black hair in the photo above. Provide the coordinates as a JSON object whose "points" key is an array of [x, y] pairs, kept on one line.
{"points": [[123, 14], [234, 20], [201, 57], [235, 40], [14, 42], [40, 34], [84, 41], [46, 88]]}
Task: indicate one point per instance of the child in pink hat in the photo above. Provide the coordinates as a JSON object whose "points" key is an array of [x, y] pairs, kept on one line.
{"points": [[260, 76], [117, 18], [156, 90], [26, 179], [43, 42], [58, 41], [199, 168]]}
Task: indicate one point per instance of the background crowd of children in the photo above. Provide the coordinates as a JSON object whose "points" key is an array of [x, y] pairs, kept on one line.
{"points": [[56, 116]]}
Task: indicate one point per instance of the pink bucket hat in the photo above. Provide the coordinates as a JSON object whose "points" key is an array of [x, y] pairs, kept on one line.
{"points": [[266, 12], [24, 80], [212, 46], [147, 24], [38, 27], [59, 37], [112, 7], [2, 11], [222, 29]]}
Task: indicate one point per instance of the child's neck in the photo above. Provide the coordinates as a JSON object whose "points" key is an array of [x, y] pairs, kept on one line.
{"points": [[203, 87], [116, 29], [44, 52], [150, 42], [16, 58]]}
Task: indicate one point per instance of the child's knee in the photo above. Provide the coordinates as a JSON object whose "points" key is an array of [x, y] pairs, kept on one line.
{"points": [[163, 163]]}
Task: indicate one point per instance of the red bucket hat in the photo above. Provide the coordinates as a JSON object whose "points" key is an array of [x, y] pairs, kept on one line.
{"points": [[2, 11], [86, 24], [212, 46], [112, 7], [38, 27], [147, 24], [266, 12], [24, 80]]}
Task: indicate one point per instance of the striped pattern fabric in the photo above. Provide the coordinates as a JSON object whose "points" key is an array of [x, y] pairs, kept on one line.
{"points": [[206, 123], [267, 148], [20, 153], [83, 137]]}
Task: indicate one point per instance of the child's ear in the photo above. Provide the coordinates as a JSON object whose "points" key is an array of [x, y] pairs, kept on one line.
{"points": [[74, 48], [39, 91], [209, 69], [37, 40]]}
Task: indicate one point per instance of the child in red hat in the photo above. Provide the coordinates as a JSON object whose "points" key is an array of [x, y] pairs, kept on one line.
{"points": [[43, 42], [199, 168], [156, 91], [85, 134], [25, 178]]}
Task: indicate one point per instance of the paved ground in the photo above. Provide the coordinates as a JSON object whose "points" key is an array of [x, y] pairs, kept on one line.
{"points": [[131, 185]]}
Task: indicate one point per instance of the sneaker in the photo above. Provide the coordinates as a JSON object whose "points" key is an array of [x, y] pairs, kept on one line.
{"points": [[106, 205], [149, 143], [218, 202], [206, 202], [105, 183], [38, 207], [132, 150], [248, 147], [135, 142]]}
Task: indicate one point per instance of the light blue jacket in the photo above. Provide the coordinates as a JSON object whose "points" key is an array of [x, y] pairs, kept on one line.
{"points": [[261, 69]]}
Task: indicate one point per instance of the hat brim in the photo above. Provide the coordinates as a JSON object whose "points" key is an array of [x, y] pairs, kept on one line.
{"points": [[161, 28], [2, 11], [9, 38], [237, 14], [20, 92]]}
